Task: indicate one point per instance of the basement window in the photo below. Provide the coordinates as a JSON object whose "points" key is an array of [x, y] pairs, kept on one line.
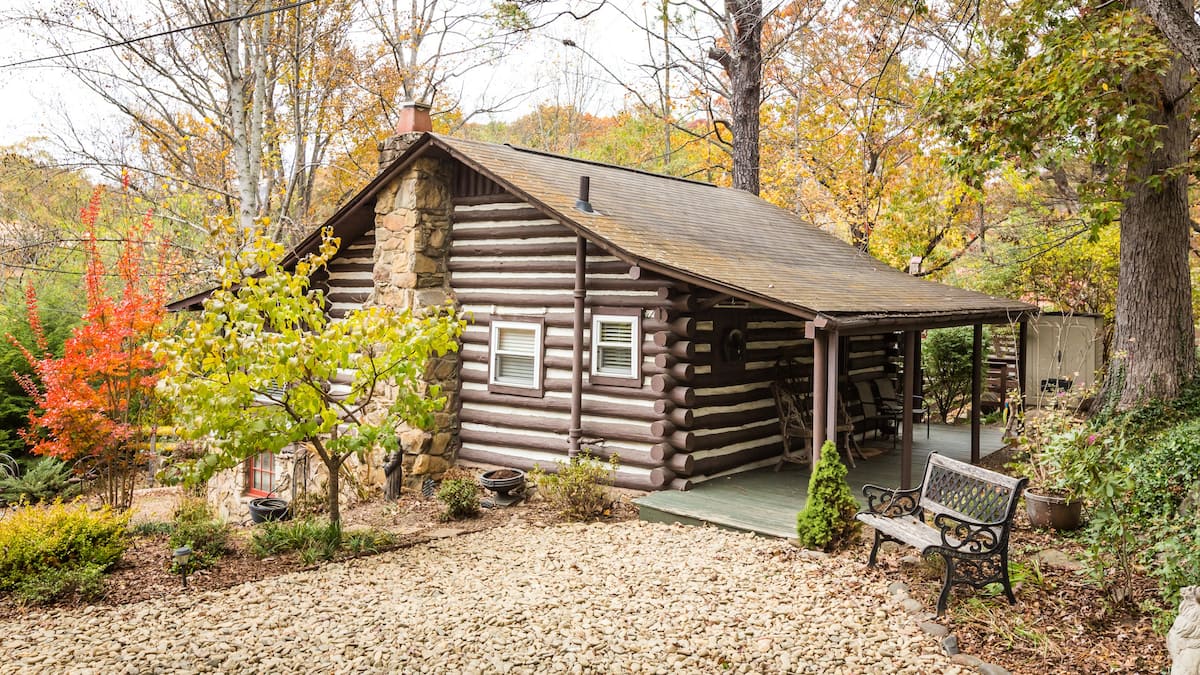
{"points": [[616, 349], [515, 366]]}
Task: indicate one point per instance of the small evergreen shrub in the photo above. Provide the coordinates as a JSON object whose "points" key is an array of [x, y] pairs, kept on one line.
{"points": [[460, 497], [579, 490], [827, 521], [44, 480], [52, 551], [196, 527]]}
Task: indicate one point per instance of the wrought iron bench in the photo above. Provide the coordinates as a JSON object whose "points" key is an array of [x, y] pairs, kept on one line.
{"points": [[972, 510]]}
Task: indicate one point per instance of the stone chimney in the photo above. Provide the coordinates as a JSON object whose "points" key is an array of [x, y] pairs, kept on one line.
{"points": [[414, 121], [412, 249]]}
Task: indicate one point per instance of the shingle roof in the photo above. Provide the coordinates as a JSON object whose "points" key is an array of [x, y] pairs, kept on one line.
{"points": [[717, 237], [729, 237]]}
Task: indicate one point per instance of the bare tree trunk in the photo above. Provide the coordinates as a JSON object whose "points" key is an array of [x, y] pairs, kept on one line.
{"points": [[743, 66], [238, 109], [1154, 346], [333, 498]]}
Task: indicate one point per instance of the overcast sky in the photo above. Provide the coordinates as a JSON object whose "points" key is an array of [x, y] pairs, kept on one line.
{"points": [[38, 100]]}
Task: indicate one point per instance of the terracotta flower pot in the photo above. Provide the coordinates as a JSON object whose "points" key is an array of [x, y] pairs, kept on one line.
{"points": [[1052, 511]]}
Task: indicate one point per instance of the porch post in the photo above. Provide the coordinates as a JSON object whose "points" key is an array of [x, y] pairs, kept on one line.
{"points": [[820, 392], [1022, 345], [831, 383], [910, 384], [976, 389]]}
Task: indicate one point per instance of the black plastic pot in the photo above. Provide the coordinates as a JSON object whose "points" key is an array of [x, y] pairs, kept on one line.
{"points": [[503, 481], [266, 509]]}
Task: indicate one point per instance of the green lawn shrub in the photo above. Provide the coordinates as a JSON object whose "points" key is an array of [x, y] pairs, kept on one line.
{"points": [[827, 521], [313, 539], [579, 490], [460, 496], [49, 552]]}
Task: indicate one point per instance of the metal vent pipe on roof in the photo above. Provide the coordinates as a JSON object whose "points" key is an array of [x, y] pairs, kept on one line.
{"points": [[585, 189]]}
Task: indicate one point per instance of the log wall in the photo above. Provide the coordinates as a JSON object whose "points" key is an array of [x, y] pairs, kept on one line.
{"points": [[349, 279], [735, 423], [507, 260]]}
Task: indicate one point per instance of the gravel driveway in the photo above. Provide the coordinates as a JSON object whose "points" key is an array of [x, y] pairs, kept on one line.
{"points": [[624, 597]]}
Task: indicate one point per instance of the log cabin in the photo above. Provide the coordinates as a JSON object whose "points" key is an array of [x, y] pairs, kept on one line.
{"points": [[623, 312]]}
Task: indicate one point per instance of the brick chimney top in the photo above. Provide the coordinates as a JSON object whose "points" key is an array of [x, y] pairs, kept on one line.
{"points": [[414, 121], [414, 117]]}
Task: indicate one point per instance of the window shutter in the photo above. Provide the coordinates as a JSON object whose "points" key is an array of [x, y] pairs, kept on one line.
{"points": [[619, 332], [516, 340], [616, 360]]}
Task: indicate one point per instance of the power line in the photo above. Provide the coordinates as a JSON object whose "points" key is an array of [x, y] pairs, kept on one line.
{"points": [[123, 43]]}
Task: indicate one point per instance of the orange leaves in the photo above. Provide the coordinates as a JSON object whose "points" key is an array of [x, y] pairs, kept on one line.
{"points": [[92, 400]]}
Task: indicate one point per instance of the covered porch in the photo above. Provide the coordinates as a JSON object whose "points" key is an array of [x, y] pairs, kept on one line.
{"points": [[766, 502]]}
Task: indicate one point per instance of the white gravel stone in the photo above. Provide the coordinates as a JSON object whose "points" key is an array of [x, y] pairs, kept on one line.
{"points": [[623, 597]]}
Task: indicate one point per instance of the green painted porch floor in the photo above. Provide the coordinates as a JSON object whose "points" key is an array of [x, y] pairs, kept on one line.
{"points": [[766, 501]]}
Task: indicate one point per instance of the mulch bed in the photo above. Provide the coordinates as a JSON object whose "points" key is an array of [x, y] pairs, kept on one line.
{"points": [[144, 573], [1061, 622]]}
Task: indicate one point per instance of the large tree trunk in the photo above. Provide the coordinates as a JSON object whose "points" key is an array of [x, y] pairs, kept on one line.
{"points": [[1176, 21], [1154, 346], [743, 66]]}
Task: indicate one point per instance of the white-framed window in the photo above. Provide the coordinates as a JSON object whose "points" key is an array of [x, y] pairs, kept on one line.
{"points": [[516, 357], [616, 347]]}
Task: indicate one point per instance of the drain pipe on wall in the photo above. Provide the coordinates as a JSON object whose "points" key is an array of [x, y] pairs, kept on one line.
{"points": [[576, 431]]}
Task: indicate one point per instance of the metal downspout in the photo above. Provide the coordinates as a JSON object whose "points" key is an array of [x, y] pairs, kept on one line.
{"points": [[576, 431]]}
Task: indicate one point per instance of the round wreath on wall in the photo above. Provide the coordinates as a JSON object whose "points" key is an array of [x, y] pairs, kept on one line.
{"points": [[733, 345]]}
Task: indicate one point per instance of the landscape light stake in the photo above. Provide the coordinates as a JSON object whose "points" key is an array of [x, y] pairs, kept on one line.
{"points": [[182, 556]]}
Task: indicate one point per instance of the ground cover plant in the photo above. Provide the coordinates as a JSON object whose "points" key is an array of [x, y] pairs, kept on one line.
{"points": [[316, 540], [54, 551], [194, 525]]}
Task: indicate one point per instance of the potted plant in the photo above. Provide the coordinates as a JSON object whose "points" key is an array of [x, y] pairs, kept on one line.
{"points": [[1051, 499]]}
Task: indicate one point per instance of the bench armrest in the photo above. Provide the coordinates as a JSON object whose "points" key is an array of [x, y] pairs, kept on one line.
{"points": [[969, 536], [892, 502]]}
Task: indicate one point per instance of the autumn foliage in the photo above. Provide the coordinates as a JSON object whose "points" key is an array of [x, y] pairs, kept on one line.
{"points": [[93, 401]]}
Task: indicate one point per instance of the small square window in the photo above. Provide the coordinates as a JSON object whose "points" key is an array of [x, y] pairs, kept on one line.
{"points": [[516, 359], [616, 349]]}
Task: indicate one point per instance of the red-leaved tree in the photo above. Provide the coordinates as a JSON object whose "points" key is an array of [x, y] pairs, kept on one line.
{"points": [[93, 405]]}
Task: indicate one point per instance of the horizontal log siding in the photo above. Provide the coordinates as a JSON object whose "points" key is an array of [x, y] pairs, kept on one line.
{"points": [[348, 280], [867, 358], [736, 423], [505, 260]]}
